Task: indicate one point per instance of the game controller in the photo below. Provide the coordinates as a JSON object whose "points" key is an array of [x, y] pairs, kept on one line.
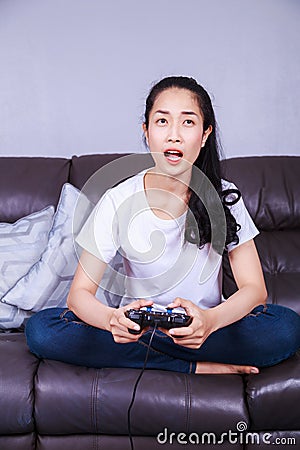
{"points": [[166, 318]]}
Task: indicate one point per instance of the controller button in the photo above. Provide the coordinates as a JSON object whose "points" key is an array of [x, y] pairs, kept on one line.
{"points": [[134, 316], [178, 320]]}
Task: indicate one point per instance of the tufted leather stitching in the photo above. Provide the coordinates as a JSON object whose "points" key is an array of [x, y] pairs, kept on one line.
{"points": [[187, 402], [93, 403]]}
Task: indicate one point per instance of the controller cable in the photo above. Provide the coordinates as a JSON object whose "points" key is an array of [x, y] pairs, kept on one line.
{"points": [[136, 385]]}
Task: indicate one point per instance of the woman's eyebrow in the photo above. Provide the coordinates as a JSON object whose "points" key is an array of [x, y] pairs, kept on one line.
{"points": [[189, 113], [160, 111]]}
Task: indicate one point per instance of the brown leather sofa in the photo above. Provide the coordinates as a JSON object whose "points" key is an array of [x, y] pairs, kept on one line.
{"points": [[49, 405]]}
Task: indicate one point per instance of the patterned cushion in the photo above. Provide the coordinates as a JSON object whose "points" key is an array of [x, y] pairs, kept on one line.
{"points": [[48, 282], [21, 245], [12, 317]]}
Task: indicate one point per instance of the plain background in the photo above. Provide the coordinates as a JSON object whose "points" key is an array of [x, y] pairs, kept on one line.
{"points": [[74, 74]]}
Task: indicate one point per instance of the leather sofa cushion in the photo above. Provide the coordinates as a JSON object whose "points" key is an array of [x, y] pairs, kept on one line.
{"points": [[279, 254], [75, 400], [18, 442], [272, 200], [273, 396], [29, 184], [282, 440], [98, 441], [113, 171], [17, 369]]}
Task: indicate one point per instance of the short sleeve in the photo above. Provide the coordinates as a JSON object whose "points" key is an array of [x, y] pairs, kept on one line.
{"points": [[99, 234], [248, 229]]}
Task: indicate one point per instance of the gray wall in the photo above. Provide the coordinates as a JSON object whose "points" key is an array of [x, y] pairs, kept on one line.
{"points": [[74, 74]]}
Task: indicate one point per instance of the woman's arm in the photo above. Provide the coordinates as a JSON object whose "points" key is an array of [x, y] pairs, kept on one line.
{"points": [[248, 275], [82, 301], [247, 271]]}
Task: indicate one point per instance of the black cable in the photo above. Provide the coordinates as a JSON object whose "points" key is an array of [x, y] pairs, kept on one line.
{"points": [[135, 388]]}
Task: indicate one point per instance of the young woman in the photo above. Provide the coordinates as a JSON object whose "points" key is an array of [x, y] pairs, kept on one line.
{"points": [[167, 221]]}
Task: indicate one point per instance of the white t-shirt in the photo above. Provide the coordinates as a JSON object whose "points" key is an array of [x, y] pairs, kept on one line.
{"points": [[158, 264]]}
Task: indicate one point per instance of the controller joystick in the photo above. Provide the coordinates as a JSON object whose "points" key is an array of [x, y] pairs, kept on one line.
{"points": [[163, 318]]}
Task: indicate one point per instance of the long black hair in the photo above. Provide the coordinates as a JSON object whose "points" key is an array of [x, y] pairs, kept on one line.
{"points": [[198, 228]]}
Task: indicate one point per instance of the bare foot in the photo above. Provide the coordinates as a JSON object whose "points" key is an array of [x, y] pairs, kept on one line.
{"points": [[212, 367]]}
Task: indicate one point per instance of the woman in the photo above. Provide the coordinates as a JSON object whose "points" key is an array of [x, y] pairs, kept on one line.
{"points": [[185, 201]]}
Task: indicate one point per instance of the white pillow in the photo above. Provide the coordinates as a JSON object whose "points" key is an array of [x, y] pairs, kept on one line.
{"points": [[48, 282], [21, 245], [12, 317]]}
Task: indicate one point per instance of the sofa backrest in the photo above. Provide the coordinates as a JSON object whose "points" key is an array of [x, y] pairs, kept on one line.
{"points": [[28, 184], [270, 186]]}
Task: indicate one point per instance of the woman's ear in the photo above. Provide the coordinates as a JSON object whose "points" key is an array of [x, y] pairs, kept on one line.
{"points": [[145, 132], [206, 134]]}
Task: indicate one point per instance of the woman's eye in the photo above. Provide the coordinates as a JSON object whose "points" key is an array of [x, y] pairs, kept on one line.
{"points": [[162, 121], [189, 122]]}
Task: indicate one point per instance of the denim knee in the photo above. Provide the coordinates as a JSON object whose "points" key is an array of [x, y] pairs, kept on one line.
{"points": [[33, 334], [285, 329], [291, 328], [37, 330]]}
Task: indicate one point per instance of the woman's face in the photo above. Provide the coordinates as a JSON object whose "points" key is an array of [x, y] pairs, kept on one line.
{"points": [[175, 133]]}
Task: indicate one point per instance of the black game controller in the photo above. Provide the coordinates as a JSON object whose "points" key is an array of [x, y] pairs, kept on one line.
{"points": [[164, 318]]}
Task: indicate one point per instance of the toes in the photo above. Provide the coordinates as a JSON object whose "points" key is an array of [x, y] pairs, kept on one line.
{"points": [[225, 368], [245, 369]]}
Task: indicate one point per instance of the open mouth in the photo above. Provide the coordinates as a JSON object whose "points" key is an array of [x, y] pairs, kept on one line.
{"points": [[173, 155]]}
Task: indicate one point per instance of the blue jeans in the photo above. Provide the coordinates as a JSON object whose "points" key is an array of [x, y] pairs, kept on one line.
{"points": [[266, 336]]}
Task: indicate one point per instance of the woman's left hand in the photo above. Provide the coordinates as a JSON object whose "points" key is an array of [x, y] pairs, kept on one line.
{"points": [[201, 327]]}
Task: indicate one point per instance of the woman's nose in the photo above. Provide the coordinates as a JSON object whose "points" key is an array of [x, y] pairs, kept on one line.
{"points": [[174, 134]]}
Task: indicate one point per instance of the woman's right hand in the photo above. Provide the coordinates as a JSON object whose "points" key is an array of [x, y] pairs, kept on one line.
{"points": [[119, 323]]}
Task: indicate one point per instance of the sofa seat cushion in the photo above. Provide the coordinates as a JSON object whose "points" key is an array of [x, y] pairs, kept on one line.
{"points": [[261, 440], [105, 442], [72, 399], [17, 369], [18, 442], [273, 395]]}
